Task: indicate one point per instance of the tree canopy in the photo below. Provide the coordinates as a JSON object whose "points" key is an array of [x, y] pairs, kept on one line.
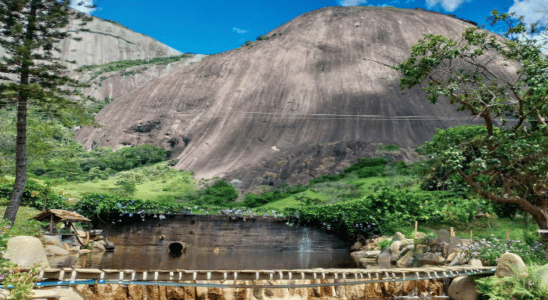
{"points": [[33, 74], [505, 159]]}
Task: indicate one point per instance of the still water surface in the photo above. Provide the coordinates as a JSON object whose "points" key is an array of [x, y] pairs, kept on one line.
{"points": [[157, 258]]}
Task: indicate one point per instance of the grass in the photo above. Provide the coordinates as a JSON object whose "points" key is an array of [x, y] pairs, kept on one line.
{"points": [[23, 226], [159, 183], [483, 227]]}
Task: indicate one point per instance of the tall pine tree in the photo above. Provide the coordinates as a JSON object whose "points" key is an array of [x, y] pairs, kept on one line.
{"points": [[33, 74]]}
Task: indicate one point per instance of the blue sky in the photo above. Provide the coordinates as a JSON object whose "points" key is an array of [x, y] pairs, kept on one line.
{"points": [[214, 26]]}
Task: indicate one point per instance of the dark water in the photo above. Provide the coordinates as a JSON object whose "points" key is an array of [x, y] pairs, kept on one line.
{"points": [[216, 243], [151, 258]]}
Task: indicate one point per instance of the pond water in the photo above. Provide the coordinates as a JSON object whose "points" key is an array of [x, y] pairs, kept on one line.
{"points": [[158, 258], [215, 243]]}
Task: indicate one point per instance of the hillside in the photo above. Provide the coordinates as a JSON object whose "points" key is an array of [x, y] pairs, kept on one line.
{"points": [[305, 100], [103, 41]]}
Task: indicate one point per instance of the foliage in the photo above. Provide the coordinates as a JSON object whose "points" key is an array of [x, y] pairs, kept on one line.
{"points": [[104, 206], [36, 195], [386, 148], [282, 191], [19, 283], [504, 160], [32, 75], [384, 211], [384, 243], [124, 64], [489, 249], [527, 286], [126, 183], [78, 164], [219, 194]]}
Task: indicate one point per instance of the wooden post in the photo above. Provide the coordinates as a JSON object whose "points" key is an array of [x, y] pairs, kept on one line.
{"points": [[507, 234], [452, 232], [416, 225], [471, 239], [51, 223]]}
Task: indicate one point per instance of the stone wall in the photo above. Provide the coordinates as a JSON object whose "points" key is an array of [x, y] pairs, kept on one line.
{"points": [[362, 291]]}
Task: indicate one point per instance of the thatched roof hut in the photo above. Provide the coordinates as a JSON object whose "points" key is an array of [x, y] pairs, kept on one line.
{"points": [[58, 215]]}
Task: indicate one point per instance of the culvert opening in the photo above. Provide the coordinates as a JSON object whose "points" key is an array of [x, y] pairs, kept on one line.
{"points": [[176, 248]]}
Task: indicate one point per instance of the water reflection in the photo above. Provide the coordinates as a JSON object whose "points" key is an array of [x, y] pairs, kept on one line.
{"points": [[151, 258]]}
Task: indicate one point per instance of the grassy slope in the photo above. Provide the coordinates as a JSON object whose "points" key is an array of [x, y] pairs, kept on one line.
{"points": [[176, 184], [156, 185]]}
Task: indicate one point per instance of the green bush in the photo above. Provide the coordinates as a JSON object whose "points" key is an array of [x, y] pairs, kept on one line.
{"points": [[384, 211], [36, 195], [528, 286], [366, 172], [506, 210], [219, 194], [366, 162]]}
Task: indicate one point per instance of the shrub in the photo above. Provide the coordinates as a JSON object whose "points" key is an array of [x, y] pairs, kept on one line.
{"points": [[366, 162], [386, 148], [371, 171], [528, 286], [220, 194], [36, 195], [488, 250], [505, 210]]}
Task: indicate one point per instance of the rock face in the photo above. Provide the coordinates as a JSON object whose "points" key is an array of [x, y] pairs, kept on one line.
{"points": [[105, 42], [26, 251], [296, 105]]}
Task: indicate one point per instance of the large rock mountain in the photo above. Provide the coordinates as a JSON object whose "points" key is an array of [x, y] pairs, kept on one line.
{"points": [[305, 100], [103, 41]]}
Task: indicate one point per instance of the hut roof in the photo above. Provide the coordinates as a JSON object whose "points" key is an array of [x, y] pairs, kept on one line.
{"points": [[61, 215]]}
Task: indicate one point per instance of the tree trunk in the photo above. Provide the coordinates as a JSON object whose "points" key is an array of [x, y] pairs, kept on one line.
{"points": [[542, 222], [22, 105], [20, 159]]}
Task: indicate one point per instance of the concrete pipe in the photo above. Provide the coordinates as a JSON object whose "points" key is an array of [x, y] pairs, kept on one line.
{"points": [[177, 248]]}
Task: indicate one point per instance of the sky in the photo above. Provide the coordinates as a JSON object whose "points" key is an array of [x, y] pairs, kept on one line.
{"points": [[214, 26]]}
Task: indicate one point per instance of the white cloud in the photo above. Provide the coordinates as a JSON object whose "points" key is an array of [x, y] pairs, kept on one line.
{"points": [[409, 1], [532, 10], [351, 2], [448, 5], [76, 5], [391, 3], [238, 30]]}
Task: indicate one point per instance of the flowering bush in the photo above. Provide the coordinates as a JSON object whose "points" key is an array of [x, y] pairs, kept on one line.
{"points": [[488, 250]]}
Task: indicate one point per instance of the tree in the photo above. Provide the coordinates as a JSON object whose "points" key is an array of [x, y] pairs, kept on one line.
{"points": [[32, 74], [505, 159]]}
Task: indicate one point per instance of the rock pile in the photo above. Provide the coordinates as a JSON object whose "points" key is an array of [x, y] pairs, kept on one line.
{"points": [[416, 251]]}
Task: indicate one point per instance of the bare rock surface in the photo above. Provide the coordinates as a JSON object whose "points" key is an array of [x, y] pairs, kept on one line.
{"points": [[508, 265], [26, 251], [307, 101], [463, 288]]}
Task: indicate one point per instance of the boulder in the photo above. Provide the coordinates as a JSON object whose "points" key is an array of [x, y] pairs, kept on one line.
{"points": [[26, 251], [420, 249], [395, 250], [463, 288], [455, 243], [98, 248], [83, 251], [52, 240], [371, 254], [474, 262], [52, 250], [444, 235], [508, 265], [430, 259], [398, 236], [406, 260], [384, 259], [442, 247], [357, 246], [418, 235], [356, 255]]}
